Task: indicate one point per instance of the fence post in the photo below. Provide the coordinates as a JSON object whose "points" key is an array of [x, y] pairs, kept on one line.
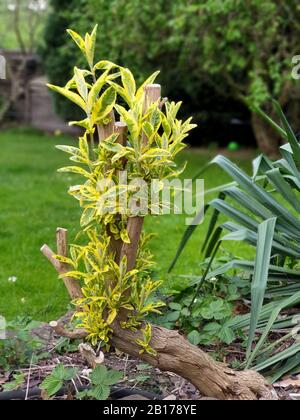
{"points": [[2, 328], [2, 67]]}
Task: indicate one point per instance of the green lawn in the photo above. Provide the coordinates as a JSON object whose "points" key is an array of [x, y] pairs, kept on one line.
{"points": [[34, 201]]}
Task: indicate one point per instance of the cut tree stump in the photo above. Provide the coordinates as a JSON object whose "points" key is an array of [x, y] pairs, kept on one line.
{"points": [[211, 378], [175, 354]]}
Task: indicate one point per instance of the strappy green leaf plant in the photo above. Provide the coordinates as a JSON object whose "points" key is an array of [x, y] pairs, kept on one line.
{"points": [[262, 211]]}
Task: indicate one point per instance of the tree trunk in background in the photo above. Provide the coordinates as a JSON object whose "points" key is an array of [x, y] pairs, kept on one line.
{"points": [[268, 141]]}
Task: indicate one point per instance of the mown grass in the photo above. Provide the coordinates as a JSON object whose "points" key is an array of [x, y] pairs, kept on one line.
{"points": [[34, 201]]}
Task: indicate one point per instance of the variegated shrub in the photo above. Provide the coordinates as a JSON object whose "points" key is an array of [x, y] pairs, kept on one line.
{"points": [[103, 91]]}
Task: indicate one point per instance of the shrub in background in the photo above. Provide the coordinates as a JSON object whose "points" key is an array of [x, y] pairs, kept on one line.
{"points": [[148, 29], [209, 52]]}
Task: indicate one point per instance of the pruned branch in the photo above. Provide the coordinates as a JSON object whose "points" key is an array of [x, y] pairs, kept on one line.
{"points": [[72, 285], [60, 330], [88, 353]]}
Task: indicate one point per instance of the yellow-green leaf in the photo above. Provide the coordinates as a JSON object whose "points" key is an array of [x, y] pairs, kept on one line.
{"points": [[80, 84], [155, 153], [104, 105], [129, 120], [112, 316], [149, 81], [90, 44], [72, 96], [73, 274], [128, 82], [121, 91], [83, 123], [64, 260], [84, 146], [68, 149], [151, 351], [98, 85], [75, 170], [128, 307], [77, 39], [87, 216], [104, 64], [148, 130], [124, 236]]}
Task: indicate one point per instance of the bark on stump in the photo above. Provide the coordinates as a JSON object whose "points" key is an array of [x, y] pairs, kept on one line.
{"points": [[175, 354]]}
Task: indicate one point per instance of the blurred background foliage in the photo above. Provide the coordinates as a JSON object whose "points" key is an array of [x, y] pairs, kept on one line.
{"points": [[219, 57]]}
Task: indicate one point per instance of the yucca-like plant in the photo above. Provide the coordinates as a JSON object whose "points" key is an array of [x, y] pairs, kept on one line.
{"points": [[262, 211]]}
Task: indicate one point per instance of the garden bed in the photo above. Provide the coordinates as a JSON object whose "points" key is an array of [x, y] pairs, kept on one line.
{"points": [[139, 380]]}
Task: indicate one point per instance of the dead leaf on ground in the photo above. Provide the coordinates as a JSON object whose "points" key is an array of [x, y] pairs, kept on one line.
{"points": [[170, 397], [289, 382]]}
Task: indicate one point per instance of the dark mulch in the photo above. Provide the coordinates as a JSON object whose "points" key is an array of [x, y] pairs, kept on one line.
{"points": [[136, 375]]}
